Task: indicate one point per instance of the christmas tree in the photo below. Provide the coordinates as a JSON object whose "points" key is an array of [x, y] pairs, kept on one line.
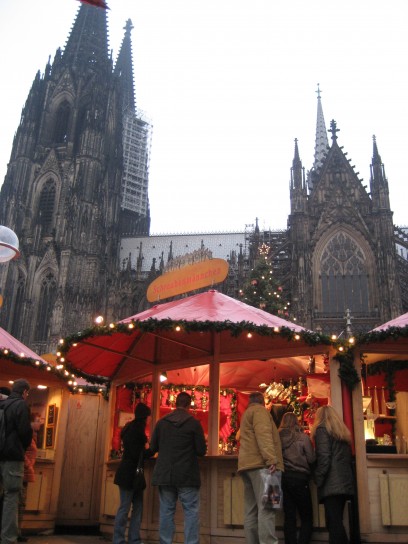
{"points": [[262, 290]]}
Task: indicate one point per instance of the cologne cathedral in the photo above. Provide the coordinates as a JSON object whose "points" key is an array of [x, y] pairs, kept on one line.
{"points": [[76, 194], [76, 181]]}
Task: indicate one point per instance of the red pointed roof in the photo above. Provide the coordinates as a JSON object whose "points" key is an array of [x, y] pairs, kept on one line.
{"points": [[212, 306], [186, 336], [19, 361], [400, 321]]}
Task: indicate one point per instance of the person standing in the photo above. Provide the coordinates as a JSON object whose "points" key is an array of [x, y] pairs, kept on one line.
{"points": [[134, 441], [333, 474], [18, 437], [30, 457], [179, 440], [260, 448], [298, 459]]}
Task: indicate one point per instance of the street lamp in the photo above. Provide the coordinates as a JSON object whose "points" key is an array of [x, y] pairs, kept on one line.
{"points": [[8, 245]]}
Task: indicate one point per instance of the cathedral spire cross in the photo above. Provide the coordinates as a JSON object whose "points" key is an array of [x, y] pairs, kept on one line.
{"points": [[333, 129]]}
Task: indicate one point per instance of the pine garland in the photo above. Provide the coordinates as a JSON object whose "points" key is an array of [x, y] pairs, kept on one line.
{"points": [[347, 371]]}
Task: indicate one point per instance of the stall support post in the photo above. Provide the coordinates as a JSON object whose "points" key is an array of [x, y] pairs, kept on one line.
{"points": [[361, 455], [156, 389], [214, 415]]}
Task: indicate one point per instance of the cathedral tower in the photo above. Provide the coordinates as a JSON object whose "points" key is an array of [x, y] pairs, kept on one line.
{"points": [[62, 193], [342, 241]]}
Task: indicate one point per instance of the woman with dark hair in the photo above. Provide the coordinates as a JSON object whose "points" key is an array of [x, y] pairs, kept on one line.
{"points": [[298, 458], [333, 474], [134, 441]]}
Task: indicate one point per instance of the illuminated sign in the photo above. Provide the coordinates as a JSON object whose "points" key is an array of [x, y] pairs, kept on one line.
{"points": [[187, 279]]}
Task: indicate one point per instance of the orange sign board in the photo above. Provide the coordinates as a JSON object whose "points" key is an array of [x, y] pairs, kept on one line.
{"points": [[187, 279]]}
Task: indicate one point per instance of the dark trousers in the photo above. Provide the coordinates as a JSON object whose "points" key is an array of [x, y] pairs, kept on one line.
{"points": [[296, 498], [334, 510]]}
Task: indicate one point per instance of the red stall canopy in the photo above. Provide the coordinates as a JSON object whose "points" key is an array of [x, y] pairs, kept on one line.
{"points": [[189, 334], [19, 361]]}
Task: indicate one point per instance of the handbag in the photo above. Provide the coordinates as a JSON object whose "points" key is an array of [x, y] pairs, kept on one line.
{"points": [[272, 496], [139, 480]]}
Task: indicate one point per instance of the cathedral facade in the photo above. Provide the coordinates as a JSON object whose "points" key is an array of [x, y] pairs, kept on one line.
{"points": [[76, 194], [69, 184]]}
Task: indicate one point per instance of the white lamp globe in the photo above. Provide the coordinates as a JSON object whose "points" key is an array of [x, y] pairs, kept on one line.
{"points": [[8, 244]]}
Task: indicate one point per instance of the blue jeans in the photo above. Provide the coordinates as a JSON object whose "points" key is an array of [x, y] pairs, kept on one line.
{"points": [[190, 501], [11, 473], [259, 523], [128, 498]]}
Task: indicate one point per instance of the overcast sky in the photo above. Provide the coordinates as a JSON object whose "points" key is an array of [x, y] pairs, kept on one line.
{"points": [[229, 85]]}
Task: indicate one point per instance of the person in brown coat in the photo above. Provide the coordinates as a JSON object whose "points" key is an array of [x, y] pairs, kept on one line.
{"points": [[260, 449]]}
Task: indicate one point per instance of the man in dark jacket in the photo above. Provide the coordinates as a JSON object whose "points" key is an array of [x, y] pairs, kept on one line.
{"points": [[179, 439], [18, 437]]}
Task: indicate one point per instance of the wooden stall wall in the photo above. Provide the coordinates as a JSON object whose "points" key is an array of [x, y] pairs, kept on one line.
{"points": [[80, 490]]}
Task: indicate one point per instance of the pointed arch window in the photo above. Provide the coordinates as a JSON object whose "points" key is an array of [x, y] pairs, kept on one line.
{"points": [[46, 205], [62, 123], [47, 295], [344, 277], [18, 305]]}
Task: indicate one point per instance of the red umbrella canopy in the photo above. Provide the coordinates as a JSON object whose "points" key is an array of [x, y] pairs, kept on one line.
{"points": [[19, 361], [188, 332]]}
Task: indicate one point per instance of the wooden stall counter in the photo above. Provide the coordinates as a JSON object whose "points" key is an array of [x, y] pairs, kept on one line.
{"points": [[222, 503]]}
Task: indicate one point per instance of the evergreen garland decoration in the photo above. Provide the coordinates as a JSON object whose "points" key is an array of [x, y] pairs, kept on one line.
{"points": [[381, 336], [388, 368], [6, 353], [347, 371], [152, 325]]}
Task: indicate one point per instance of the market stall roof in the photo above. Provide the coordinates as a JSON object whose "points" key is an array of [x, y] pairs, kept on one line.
{"points": [[400, 321], [191, 332], [19, 361], [386, 342]]}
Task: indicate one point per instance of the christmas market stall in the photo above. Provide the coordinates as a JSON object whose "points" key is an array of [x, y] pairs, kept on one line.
{"points": [[53, 390], [382, 454], [219, 350]]}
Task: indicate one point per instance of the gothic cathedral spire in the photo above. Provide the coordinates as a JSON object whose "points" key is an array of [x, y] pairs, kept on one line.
{"points": [[63, 190]]}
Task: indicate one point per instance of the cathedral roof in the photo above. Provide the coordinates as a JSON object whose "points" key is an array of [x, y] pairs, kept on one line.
{"points": [[160, 246]]}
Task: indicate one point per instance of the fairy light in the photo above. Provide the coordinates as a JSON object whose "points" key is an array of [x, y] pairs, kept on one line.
{"points": [[178, 328], [297, 337], [111, 325], [37, 363], [276, 329], [131, 326], [249, 335]]}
